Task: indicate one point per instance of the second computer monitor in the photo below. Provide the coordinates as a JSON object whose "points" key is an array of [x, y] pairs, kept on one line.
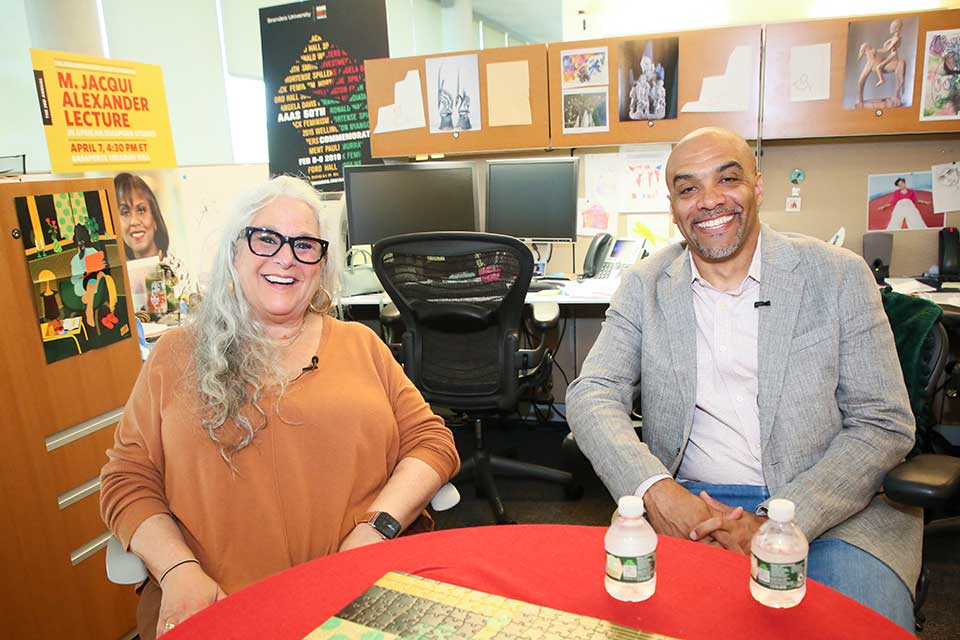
{"points": [[533, 199], [390, 199]]}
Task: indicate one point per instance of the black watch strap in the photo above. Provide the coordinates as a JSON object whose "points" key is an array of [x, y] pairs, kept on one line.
{"points": [[385, 524]]}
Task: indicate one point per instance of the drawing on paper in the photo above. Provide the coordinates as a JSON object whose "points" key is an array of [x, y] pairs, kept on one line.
{"points": [[946, 187], [810, 72]]}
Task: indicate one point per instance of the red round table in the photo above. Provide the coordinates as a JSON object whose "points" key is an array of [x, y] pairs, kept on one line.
{"points": [[702, 591]]}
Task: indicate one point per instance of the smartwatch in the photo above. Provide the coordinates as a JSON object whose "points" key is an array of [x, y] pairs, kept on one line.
{"points": [[385, 524]]}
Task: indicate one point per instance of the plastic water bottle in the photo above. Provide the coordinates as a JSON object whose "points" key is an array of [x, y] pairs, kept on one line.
{"points": [[631, 546], [778, 559]]}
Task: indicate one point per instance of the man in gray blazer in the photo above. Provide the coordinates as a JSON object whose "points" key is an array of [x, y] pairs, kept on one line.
{"points": [[766, 368]]}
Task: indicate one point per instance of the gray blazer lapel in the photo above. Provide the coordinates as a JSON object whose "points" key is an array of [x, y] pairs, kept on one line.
{"points": [[783, 287], [675, 299]]}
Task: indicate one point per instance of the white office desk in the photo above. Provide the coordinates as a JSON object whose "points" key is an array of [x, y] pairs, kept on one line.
{"points": [[586, 292]]}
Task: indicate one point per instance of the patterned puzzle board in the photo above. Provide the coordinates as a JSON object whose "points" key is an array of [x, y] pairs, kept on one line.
{"points": [[400, 605]]}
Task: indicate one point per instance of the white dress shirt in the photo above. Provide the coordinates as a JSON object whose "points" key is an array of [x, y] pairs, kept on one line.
{"points": [[724, 444]]}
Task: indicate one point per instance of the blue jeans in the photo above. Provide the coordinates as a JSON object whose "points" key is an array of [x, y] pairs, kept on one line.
{"points": [[837, 564]]}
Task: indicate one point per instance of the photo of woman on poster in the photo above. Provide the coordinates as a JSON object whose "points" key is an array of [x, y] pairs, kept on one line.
{"points": [[145, 235], [901, 202], [906, 208]]}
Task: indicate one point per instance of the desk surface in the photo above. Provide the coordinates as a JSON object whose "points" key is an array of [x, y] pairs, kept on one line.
{"points": [[572, 292], [702, 591]]}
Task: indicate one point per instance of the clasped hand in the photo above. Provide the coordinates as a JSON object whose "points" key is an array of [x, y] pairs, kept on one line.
{"points": [[674, 511], [187, 590]]}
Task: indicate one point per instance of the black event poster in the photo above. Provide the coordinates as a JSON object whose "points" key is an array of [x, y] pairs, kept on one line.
{"points": [[313, 57]]}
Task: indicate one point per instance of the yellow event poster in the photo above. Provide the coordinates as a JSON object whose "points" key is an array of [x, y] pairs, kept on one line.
{"points": [[101, 114]]}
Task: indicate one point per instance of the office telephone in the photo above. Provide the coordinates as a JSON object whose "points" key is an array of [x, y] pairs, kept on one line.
{"points": [[608, 256]]}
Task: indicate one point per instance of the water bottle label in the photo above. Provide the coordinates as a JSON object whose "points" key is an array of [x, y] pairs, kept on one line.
{"points": [[631, 568], [778, 576]]}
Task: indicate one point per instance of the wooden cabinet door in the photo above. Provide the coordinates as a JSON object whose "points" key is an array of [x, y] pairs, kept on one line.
{"points": [[57, 421]]}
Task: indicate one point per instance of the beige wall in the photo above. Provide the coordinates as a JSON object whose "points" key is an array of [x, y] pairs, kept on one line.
{"points": [[835, 191]]}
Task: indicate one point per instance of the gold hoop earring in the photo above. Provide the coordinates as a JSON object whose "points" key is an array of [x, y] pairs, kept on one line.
{"points": [[315, 305]]}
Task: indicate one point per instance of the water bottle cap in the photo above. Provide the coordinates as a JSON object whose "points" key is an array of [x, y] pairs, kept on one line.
{"points": [[781, 510], [630, 506]]}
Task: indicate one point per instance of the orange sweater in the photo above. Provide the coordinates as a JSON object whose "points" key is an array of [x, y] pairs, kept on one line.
{"points": [[301, 482]]}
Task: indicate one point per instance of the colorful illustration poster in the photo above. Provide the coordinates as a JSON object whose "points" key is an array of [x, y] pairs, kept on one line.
{"points": [[648, 79], [71, 250], [313, 55], [940, 97], [584, 67], [880, 63], [585, 110], [453, 93], [901, 202], [101, 114]]}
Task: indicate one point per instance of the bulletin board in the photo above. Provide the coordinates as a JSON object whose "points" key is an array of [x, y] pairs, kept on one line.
{"points": [[784, 117], [384, 81], [705, 61]]}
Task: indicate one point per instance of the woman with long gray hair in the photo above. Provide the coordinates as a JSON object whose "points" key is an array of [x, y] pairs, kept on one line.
{"points": [[266, 433]]}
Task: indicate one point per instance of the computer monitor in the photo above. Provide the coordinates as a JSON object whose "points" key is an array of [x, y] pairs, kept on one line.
{"points": [[534, 199], [389, 199]]}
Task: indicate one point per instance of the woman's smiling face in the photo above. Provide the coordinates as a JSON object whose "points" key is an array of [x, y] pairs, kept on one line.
{"points": [[137, 225]]}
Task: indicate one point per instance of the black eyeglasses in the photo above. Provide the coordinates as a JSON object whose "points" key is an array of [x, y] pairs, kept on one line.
{"points": [[267, 243]]}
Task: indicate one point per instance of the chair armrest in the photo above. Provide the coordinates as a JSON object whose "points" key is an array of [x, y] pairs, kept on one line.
{"points": [[390, 315], [544, 316], [926, 480], [446, 498], [123, 567], [539, 317], [391, 330]]}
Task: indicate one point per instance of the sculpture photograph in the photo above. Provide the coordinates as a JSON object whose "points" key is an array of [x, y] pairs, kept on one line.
{"points": [[648, 79], [880, 63], [453, 84]]}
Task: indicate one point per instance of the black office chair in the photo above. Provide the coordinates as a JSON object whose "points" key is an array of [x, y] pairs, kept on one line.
{"points": [[460, 296], [928, 480]]}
